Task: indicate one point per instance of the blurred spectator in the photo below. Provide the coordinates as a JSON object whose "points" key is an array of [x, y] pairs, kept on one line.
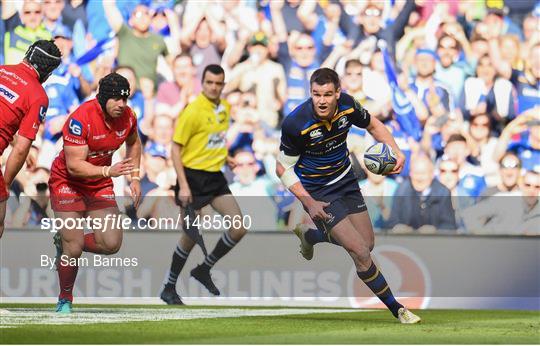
{"points": [[255, 192], [435, 95], [509, 172], [530, 27], [74, 10], [471, 176], [378, 192], [487, 93], [496, 18], [526, 82], [247, 183], [80, 77], [372, 24], [522, 136], [173, 96], [482, 145], [508, 213], [299, 61], [448, 175], [422, 203], [270, 90], [138, 48], [35, 201], [159, 202], [353, 84], [52, 10], [451, 70], [154, 161], [203, 36], [22, 29], [161, 132]]}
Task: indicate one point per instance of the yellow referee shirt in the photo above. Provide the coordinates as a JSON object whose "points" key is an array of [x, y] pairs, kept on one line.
{"points": [[201, 130]]}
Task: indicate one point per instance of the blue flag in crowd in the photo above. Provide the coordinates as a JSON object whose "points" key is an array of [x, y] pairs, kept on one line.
{"points": [[405, 113], [94, 52]]}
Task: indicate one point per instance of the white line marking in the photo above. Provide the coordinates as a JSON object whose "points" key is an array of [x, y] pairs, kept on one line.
{"points": [[19, 317]]}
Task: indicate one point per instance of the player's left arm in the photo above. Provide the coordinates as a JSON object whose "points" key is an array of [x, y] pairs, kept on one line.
{"points": [[381, 134], [16, 158], [28, 129], [133, 151]]}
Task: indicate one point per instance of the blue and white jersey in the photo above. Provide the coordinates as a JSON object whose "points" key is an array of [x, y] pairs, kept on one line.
{"points": [[528, 90], [61, 88], [322, 145]]}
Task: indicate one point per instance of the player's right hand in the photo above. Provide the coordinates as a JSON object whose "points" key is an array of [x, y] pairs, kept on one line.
{"points": [[124, 167], [185, 197], [316, 210]]}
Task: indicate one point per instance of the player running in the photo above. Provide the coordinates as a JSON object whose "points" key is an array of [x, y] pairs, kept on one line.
{"points": [[198, 154], [314, 165], [81, 184], [23, 106]]}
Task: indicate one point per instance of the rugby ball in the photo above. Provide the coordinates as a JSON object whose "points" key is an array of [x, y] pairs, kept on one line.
{"points": [[380, 159]]}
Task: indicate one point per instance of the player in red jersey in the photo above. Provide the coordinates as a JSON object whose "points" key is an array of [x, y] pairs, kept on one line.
{"points": [[23, 105], [81, 185]]}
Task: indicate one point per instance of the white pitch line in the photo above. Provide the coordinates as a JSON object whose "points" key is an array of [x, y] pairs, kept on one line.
{"points": [[19, 317]]}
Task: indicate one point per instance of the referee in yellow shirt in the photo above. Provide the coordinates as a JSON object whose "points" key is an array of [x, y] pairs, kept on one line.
{"points": [[199, 153]]}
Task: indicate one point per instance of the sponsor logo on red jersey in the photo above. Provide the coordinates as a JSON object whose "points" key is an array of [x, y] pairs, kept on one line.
{"points": [[8, 94]]}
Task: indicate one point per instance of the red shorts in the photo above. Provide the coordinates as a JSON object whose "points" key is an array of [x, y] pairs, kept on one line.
{"points": [[4, 193], [66, 197]]}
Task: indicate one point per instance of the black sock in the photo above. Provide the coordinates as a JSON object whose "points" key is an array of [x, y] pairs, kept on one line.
{"points": [[178, 260], [376, 282], [223, 246]]}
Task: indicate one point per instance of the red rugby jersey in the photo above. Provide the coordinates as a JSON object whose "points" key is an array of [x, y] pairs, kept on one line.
{"points": [[86, 126], [23, 103]]}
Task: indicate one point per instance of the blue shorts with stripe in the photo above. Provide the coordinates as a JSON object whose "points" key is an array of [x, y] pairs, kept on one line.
{"points": [[344, 197]]}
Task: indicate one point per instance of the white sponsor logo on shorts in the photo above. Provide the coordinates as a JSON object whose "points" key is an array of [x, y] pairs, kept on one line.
{"points": [[66, 201], [107, 196], [66, 189]]}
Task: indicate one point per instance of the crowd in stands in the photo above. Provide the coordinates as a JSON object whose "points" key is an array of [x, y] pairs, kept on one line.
{"points": [[464, 105]]}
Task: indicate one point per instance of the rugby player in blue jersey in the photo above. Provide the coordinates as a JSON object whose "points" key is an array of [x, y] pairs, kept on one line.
{"points": [[314, 165]]}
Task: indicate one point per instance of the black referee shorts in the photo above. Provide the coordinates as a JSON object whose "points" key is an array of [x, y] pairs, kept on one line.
{"points": [[204, 186]]}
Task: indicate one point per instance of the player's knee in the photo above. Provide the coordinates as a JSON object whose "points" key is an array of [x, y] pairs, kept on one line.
{"points": [[111, 249], [359, 253], [237, 233], [371, 244], [1, 229], [73, 249]]}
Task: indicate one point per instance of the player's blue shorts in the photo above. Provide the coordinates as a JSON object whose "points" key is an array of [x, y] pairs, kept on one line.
{"points": [[344, 197]]}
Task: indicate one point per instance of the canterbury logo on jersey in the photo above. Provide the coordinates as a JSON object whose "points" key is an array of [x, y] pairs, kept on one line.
{"points": [[94, 154], [10, 95]]}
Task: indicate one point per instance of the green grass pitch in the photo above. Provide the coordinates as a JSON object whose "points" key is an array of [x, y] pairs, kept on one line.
{"points": [[110, 324]]}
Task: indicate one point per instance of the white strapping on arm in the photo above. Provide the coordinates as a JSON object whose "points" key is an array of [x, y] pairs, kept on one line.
{"points": [[288, 178]]}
